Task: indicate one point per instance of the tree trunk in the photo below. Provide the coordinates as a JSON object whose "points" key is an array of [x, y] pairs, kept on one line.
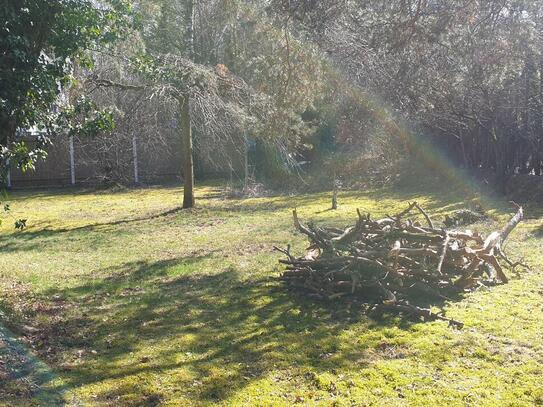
{"points": [[463, 148], [245, 162], [500, 163], [186, 130], [538, 168], [188, 161], [8, 128]]}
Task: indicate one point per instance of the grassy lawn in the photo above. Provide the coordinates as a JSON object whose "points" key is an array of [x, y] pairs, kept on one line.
{"points": [[132, 302]]}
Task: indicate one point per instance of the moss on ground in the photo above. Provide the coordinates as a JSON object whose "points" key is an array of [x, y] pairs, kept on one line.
{"points": [[134, 302]]}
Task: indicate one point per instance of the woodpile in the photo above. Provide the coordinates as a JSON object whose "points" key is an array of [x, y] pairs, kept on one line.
{"points": [[395, 262]]}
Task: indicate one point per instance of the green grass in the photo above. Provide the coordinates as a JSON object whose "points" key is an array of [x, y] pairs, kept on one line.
{"points": [[133, 302]]}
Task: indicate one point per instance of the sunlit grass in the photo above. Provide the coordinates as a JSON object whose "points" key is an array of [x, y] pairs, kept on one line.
{"points": [[139, 303]]}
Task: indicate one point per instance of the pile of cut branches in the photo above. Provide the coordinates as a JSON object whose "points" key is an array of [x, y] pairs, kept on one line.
{"points": [[395, 262]]}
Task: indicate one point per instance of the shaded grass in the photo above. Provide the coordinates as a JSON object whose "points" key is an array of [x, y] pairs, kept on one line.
{"points": [[134, 302]]}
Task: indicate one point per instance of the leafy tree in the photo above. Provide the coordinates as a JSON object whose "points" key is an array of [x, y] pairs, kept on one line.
{"points": [[245, 38], [40, 42], [170, 31], [467, 72]]}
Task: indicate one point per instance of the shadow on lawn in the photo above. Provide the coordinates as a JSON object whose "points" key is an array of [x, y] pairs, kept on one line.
{"points": [[215, 334], [538, 232], [13, 242], [215, 208], [219, 330]]}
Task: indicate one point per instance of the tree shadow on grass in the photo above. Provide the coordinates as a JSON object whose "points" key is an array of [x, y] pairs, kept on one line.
{"points": [[212, 335], [30, 239], [438, 204]]}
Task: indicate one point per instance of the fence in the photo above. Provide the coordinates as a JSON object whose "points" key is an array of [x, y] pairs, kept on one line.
{"points": [[68, 164]]}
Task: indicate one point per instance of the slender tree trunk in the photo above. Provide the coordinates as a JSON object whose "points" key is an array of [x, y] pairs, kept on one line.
{"points": [[190, 30], [186, 129], [245, 162], [8, 128], [334, 191], [188, 160], [500, 160], [526, 115], [539, 151], [463, 149]]}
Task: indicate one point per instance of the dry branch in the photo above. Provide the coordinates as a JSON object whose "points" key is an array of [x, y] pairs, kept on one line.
{"points": [[394, 262]]}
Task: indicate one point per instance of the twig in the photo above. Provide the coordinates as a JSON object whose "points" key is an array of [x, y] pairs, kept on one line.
{"points": [[510, 263], [285, 252], [430, 223], [443, 254]]}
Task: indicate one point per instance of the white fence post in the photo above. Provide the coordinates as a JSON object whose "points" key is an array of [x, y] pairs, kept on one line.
{"points": [[72, 160], [135, 158], [8, 176]]}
